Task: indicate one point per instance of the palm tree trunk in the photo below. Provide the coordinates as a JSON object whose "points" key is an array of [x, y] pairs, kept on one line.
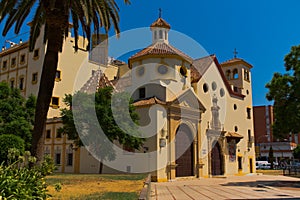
{"points": [[54, 45]]}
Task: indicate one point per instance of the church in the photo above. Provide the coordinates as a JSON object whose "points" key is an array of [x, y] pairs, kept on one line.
{"points": [[195, 113]]}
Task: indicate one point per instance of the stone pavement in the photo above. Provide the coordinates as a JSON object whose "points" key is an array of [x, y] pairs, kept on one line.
{"points": [[235, 187]]}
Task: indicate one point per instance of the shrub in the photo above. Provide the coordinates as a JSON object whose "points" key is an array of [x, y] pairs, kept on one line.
{"points": [[9, 141], [19, 181]]}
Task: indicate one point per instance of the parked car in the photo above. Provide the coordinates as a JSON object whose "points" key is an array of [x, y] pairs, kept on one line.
{"points": [[263, 165]]}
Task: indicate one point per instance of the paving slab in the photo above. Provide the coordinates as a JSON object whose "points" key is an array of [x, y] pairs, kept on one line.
{"points": [[251, 186]]}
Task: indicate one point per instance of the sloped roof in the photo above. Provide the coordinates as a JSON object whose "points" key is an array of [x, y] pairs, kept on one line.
{"points": [[199, 67], [236, 61], [161, 23], [96, 81], [161, 49], [149, 101], [233, 135]]}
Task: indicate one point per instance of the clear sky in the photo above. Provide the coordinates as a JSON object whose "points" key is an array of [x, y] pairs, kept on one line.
{"points": [[263, 31]]}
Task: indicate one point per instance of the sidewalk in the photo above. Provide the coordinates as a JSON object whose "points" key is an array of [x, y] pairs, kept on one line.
{"points": [[234, 187]]}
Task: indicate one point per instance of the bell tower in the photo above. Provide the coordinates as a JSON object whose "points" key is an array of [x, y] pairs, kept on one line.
{"points": [[160, 29]]}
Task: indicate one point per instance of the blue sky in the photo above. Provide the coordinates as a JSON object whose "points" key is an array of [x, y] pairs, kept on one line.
{"points": [[262, 31]]}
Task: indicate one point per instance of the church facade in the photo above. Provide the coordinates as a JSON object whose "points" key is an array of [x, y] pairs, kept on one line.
{"points": [[202, 119]]}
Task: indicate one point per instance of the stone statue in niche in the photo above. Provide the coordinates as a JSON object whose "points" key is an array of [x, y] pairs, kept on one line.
{"points": [[215, 122]]}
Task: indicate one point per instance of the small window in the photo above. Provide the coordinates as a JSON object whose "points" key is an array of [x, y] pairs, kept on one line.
{"points": [[235, 89], [235, 74], [214, 86], [141, 71], [236, 129], [13, 62], [36, 54], [205, 87], [34, 78], [58, 75], [12, 83], [162, 69], [21, 83], [249, 135], [58, 134], [155, 35], [234, 106], [142, 93], [55, 102], [69, 159], [240, 166], [222, 92], [246, 75], [4, 65], [48, 134], [22, 59], [57, 159], [248, 113], [183, 71], [160, 34], [228, 74], [247, 91]]}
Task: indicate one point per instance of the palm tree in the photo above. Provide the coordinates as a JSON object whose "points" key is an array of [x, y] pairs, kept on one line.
{"points": [[91, 15]]}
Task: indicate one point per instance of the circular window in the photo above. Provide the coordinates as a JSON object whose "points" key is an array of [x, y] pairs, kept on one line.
{"points": [[214, 86], [141, 71], [183, 71], [222, 92], [205, 87], [247, 91], [236, 128], [234, 106], [162, 69]]}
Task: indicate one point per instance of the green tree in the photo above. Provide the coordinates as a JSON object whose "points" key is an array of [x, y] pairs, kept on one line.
{"points": [[17, 114], [9, 141], [86, 130], [90, 15], [284, 90], [296, 152]]}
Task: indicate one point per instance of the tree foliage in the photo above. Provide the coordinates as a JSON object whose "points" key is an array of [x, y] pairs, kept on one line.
{"points": [[9, 141], [284, 90], [17, 114], [87, 130]]}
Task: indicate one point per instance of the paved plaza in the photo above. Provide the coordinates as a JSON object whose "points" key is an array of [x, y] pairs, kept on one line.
{"points": [[235, 187]]}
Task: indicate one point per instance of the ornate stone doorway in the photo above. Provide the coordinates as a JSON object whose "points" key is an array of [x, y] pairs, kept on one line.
{"points": [[184, 152], [216, 160]]}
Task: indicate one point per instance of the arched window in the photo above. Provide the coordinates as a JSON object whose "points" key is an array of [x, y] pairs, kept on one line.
{"points": [[235, 74], [166, 35], [155, 35], [228, 74], [160, 34]]}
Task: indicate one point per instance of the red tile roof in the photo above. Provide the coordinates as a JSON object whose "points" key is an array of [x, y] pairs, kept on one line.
{"points": [[199, 67], [96, 81], [161, 49], [161, 23], [149, 101], [236, 61]]}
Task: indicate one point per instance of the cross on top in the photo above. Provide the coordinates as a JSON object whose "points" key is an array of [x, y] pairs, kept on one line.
{"points": [[159, 14], [235, 53]]}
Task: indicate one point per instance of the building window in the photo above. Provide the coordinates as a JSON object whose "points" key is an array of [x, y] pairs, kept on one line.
{"points": [[22, 59], [248, 113], [34, 78], [57, 159], [249, 135], [234, 106], [36, 54], [4, 65], [58, 75], [13, 62], [155, 35], [236, 129], [246, 75], [54, 102], [183, 71], [142, 93], [240, 165], [12, 83], [21, 83], [58, 134], [205, 88], [69, 159], [228, 74], [235, 89], [162, 69], [48, 134], [160, 34], [235, 74]]}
